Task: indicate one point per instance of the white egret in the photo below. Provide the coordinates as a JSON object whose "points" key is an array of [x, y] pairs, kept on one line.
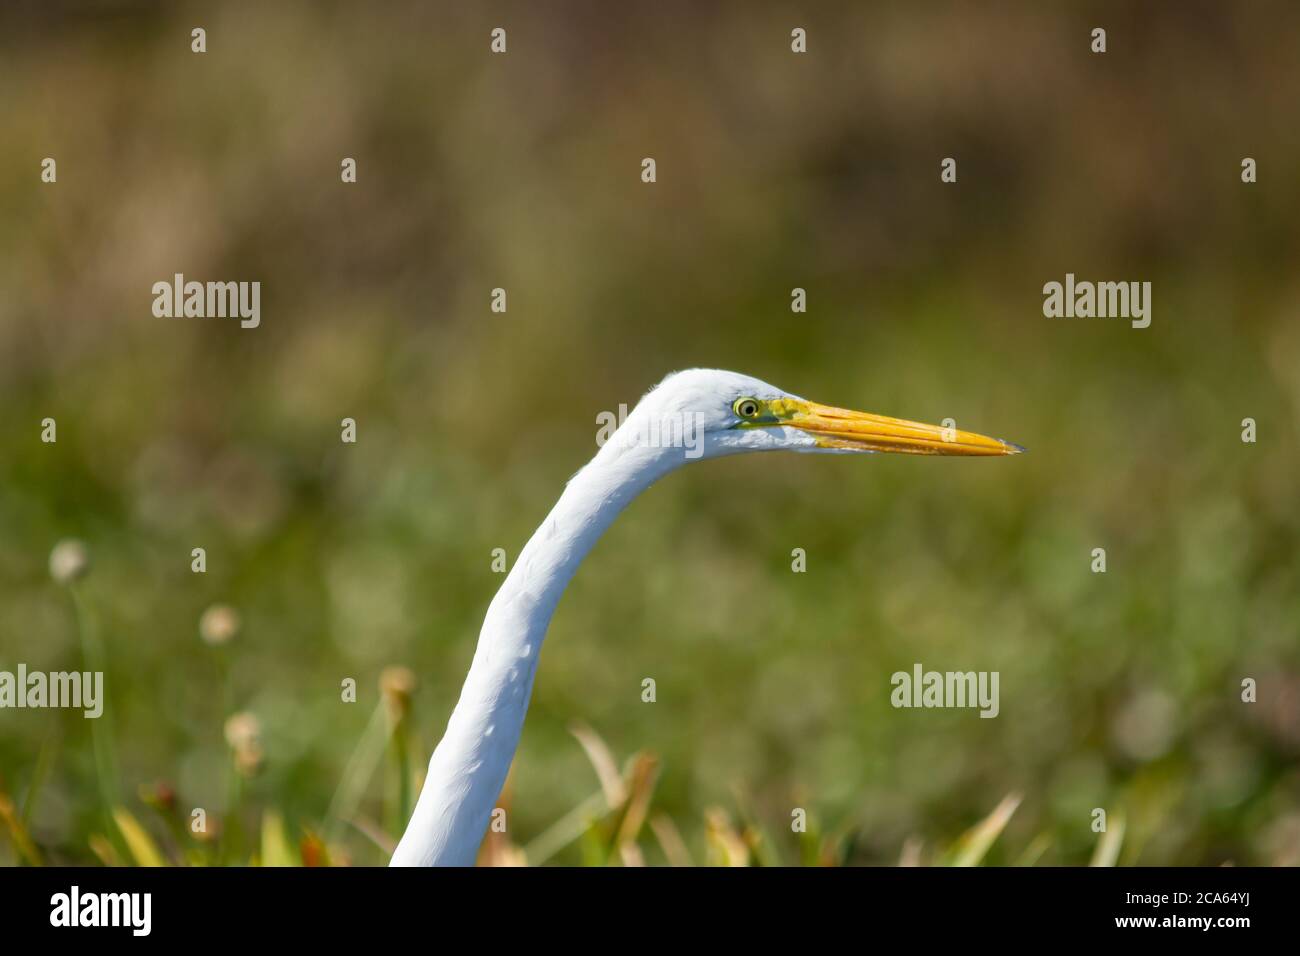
{"points": [[695, 414]]}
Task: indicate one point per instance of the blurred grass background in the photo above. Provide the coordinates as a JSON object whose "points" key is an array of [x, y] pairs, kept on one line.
{"points": [[775, 170]]}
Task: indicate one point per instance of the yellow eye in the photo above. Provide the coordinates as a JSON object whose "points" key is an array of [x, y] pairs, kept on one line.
{"points": [[745, 408]]}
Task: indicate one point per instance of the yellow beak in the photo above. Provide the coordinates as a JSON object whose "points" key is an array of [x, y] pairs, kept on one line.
{"points": [[862, 431]]}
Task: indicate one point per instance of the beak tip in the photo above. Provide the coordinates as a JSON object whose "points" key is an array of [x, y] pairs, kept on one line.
{"points": [[1012, 447]]}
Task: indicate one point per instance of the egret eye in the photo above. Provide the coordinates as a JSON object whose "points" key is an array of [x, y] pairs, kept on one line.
{"points": [[746, 408]]}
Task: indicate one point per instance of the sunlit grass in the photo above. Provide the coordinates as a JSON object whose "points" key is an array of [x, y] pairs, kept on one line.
{"points": [[620, 823]]}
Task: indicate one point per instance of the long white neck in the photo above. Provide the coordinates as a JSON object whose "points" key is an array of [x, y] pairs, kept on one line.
{"points": [[469, 766]]}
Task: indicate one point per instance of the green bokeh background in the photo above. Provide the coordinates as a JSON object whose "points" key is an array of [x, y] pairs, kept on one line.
{"points": [[775, 170]]}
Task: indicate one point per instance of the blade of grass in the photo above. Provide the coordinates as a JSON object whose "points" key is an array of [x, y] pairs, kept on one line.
{"points": [[975, 842], [579, 821], [102, 848], [726, 845], [276, 850], [602, 761], [95, 660], [357, 773], [642, 776], [1034, 852], [911, 855], [374, 833], [1107, 850], [761, 845], [138, 841], [40, 773], [18, 832], [670, 840], [566, 829]]}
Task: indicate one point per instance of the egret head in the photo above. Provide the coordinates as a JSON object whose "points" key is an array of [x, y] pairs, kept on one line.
{"points": [[712, 412]]}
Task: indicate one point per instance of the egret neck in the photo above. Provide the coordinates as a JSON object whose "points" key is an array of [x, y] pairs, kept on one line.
{"points": [[469, 766]]}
